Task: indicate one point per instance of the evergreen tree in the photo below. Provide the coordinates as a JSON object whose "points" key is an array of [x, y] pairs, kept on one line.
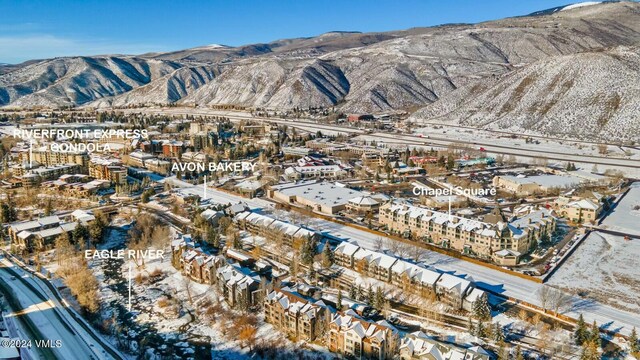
{"points": [[595, 334], [481, 309], [339, 301], [293, 269], [519, 355], [359, 293], [470, 328], [498, 334], [80, 234], [308, 251], [481, 331], [213, 237], [450, 162], [379, 298], [327, 256], [370, 296], [581, 334], [8, 212], [99, 226], [634, 346], [353, 293]]}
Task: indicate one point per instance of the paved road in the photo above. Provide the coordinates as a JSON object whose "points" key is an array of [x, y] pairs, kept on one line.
{"points": [[45, 312]]}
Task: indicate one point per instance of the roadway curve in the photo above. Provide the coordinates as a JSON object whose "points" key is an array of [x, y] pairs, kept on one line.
{"points": [[46, 313]]}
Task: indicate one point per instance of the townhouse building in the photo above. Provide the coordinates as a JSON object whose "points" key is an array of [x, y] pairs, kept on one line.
{"points": [[457, 292], [419, 346], [270, 228]]}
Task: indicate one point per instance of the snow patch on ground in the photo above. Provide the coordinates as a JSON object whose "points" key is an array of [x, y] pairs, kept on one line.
{"points": [[604, 268]]}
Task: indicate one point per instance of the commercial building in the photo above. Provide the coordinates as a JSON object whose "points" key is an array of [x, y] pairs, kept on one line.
{"points": [[328, 198], [330, 172], [296, 151], [537, 184]]}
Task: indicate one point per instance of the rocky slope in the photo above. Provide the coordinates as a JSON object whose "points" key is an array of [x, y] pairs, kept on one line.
{"points": [[591, 95], [164, 90], [78, 80]]}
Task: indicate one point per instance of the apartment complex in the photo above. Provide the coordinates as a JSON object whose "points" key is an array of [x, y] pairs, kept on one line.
{"points": [[354, 337], [299, 318], [51, 158], [480, 238], [578, 210]]}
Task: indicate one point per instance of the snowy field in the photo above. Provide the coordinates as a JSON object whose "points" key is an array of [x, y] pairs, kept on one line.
{"points": [[546, 144], [626, 216], [603, 268]]}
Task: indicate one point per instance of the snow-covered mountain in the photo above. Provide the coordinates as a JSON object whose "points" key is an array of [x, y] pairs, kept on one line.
{"points": [[438, 67], [588, 95]]}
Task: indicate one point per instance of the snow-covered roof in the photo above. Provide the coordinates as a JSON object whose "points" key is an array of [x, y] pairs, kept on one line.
{"points": [[364, 201], [346, 248], [324, 193]]}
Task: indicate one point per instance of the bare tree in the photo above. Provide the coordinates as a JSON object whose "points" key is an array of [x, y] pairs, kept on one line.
{"points": [[378, 244], [188, 287], [553, 299], [418, 253], [392, 246]]}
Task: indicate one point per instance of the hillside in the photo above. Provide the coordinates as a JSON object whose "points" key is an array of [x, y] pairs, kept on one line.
{"points": [[592, 95]]}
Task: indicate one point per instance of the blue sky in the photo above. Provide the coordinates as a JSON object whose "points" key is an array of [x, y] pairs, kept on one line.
{"points": [[35, 29]]}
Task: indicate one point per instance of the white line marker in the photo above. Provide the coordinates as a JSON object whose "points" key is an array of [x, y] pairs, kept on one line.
{"points": [[30, 154], [130, 286], [205, 188]]}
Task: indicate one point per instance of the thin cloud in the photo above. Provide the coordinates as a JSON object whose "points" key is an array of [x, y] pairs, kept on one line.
{"points": [[18, 48]]}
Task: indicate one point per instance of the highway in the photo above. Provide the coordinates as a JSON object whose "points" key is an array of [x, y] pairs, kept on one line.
{"points": [[46, 314], [408, 139]]}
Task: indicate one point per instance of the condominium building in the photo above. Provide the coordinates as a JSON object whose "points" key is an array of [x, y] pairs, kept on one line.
{"points": [[47, 157], [299, 318], [476, 237], [39, 233], [355, 337]]}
